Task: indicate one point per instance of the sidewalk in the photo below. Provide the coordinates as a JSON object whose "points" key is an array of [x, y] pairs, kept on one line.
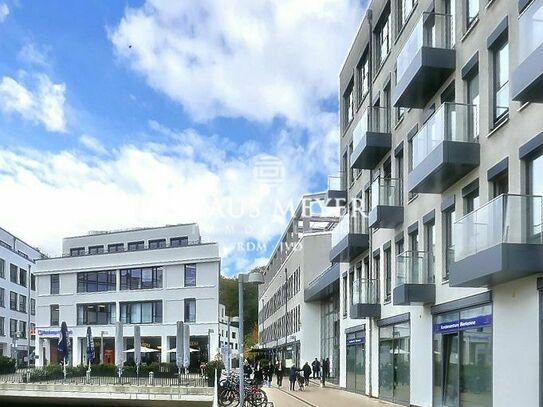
{"points": [[315, 396]]}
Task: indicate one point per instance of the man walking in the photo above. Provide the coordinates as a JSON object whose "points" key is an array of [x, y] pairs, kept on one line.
{"points": [[314, 368], [279, 370], [307, 373]]}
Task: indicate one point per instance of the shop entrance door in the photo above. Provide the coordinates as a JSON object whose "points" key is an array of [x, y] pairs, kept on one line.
{"points": [[450, 370]]}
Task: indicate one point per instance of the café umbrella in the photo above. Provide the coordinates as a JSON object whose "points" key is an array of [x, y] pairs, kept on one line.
{"points": [[90, 347], [137, 347], [63, 347], [119, 347]]}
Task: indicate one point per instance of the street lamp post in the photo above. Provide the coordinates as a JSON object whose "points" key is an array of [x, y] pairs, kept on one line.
{"points": [[252, 277]]}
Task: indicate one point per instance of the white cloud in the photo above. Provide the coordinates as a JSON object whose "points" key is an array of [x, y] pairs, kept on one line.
{"points": [[4, 12], [253, 59], [32, 54], [43, 102], [92, 144], [68, 193]]}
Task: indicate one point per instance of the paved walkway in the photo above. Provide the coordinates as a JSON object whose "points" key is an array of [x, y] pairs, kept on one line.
{"points": [[315, 396]]}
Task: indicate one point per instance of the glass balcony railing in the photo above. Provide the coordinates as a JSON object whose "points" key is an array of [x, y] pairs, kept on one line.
{"points": [[337, 182], [365, 291], [530, 30], [505, 219], [451, 122], [433, 30], [357, 223], [376, 119], [412, 268], [386, 192]]}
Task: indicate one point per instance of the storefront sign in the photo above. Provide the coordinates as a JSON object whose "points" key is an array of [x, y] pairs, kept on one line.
{"points": [[55, 333], [463, 324], [356, 341]]}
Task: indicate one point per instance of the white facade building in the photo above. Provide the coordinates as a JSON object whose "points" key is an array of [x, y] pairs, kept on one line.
{"points": [[152, 277], [223, 333], [17, 295]]}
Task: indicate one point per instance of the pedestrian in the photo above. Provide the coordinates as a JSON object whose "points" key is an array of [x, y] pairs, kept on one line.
{"points": [[314, 368], [307, 373], [247, 371], [259, 375], [271, 369], [318, 368], [323, 376], [293, 376], [326, 368], [279, 371]]}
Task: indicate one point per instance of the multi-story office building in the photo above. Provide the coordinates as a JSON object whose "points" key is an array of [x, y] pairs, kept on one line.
{"points": [[298, 303], [17, 296], [224, 339], [152, 277], [440, 247]]}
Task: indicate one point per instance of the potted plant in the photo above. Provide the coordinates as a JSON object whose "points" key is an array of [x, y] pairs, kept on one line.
{"points": [[215, 365]]}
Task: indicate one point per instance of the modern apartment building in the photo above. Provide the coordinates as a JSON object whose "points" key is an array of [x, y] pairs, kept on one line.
{"points": [[441, 245], [299, 301], [17, 296], [151, 277]]}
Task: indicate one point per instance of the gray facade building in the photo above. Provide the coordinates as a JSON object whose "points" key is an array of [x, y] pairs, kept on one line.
{"points": [[441, 243]]}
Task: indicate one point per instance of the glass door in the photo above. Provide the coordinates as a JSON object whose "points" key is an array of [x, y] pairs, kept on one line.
{"points": [[386, 364], [450, 370], [401, 363], [351, 368], [360, 367]]}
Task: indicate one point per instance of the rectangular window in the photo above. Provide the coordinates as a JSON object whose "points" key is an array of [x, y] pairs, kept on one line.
{"points": [[348, 105], [2, 299], [2, 268], [363, 75], [190, 310], [13, 273], [33, 282], [22, 303], [473, 99], [535, 187], [115, 247], [54, 314], [2, 326], [22, 277], [376, 272], [13, 300], [96, 249], [55, 284], [179, 241], [500, 184], [388, 274], [405, 7], [345, 301], [399, 175], [22, 329], [472, 201], [190, 275], [77, 251], [141, 278], [96, 281], [141, 312], [382, 36], [501, 81], [157, 244], [430, 242], [12, 328], [32, 306], [96, 314], [132, 246], [449, 219], [472, 12]]}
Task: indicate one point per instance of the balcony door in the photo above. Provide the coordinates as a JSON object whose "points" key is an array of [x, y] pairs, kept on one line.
{"points": [[535, 187]]}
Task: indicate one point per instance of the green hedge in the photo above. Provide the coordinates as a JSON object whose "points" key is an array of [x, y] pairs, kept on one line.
{"points": [[7, 365], [55, 372]]}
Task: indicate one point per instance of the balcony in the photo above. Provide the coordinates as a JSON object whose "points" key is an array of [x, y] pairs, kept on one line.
{"points": [[413, 284], [386, 208], [425, 62], [323, 285], [527, 79], [445, 149], [499, 242], [371, 138], [349, 238], [336, 194], [365, 299]]}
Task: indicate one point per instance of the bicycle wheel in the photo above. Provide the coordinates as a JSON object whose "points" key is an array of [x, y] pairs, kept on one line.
{"points": [[228, 398]]}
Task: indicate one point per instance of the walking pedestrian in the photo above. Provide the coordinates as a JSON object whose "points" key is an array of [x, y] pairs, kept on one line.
{"points": [[279, 371], [293, 376], [323, 376], [271, 369], [314, 368], [259, 375], [307, 373]]}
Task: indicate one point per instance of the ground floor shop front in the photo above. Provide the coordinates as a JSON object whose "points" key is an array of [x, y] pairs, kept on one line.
{"points": [[479, 351]]}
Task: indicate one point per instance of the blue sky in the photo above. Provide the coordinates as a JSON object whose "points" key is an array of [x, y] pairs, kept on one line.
{"points": [[118, 114]]}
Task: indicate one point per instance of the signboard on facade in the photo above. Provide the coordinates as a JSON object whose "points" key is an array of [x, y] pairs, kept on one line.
{"points": [[356, 341], [51, 333], [463, 324]]}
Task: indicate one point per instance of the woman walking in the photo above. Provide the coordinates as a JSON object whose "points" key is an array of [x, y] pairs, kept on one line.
{"points": [[279, 371]]}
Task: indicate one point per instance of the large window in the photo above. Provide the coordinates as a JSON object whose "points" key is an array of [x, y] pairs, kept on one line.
{"points": [[190, 310], [179, 241], [22, 303], [33, 282], [54, 314], [115, 247], [2, 299], [96, 249], [22, 277], [348, 104], [449, 217], [388, 274], [157, 244], [136, 246], [190, 275], [141, 312], [2, 268], [472, 12], [77, 251], [501, 81], [382, 36], [363, 74], [91, 282], [2, 326], [472, 201], [13, 300], [405, 7], [394, 351], [55, 284], [535, 187], [22, 329], [141, 278], [32, 306], [95, 314], [12, 328], [13, 271], [430, 244]]}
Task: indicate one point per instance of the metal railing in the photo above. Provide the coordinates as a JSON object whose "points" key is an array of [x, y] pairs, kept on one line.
{"points": [[365, 291], [507, 218], [375, 119], [386, 192], [451, 122], [530, 30], [412, 267], [433, 30], [144, 247]]}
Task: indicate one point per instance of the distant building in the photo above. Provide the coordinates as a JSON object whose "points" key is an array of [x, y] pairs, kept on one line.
{"points": [[223, 333], [152, 277], [17, 295]]}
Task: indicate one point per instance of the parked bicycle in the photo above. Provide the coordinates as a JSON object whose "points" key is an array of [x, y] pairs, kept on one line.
{"points": [[228, 393]]}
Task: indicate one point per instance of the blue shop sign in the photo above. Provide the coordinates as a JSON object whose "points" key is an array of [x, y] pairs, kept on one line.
{"points": [[356, 341], [463, 324]]}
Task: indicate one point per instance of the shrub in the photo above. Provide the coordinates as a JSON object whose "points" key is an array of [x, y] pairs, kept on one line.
{"points": [[7, 365]]}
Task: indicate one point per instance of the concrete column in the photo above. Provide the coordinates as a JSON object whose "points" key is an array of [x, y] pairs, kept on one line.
{"points": [[39, 351], [76, 351], [164, 349]]}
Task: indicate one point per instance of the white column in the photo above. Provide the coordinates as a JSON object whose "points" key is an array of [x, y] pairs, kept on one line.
{"points": [[76, 351], [39, 351], [164, 345]]}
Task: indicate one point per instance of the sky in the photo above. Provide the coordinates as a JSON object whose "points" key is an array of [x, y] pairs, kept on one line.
{"points": [[134, 114]]}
